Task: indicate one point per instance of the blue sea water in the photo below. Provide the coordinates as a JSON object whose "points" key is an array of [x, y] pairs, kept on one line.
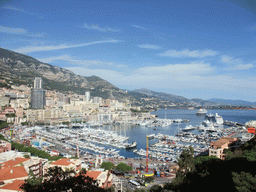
{"points": [[138, 134]]}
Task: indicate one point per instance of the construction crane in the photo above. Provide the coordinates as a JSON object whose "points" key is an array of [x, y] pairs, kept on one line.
{"points": [[147, 154]]}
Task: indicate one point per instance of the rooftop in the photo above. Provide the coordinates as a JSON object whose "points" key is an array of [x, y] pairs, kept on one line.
{"points": [[93, 174], [223, 141], [62, 162], [13, 162], [15, 185], [12, 173]]}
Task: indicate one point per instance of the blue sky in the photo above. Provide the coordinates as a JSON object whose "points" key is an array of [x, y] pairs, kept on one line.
{"points": [[196, 49]]}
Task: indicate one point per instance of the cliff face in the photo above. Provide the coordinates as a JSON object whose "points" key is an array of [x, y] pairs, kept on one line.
{"points": [[22, 69]]}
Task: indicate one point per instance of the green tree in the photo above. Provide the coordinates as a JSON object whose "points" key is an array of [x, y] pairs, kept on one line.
{"points": [[57, 180], [149, 179], [10, 115], [3, 124], [141, 190], [107, 166], [155, 188], [201, 159], [244, 182], [186, 160], [123, 167], [26, 156], [33, 180]]}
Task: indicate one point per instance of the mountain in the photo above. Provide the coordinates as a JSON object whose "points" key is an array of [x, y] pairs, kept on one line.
{"points": [[163, 96], [232, 102], [19, 69]]}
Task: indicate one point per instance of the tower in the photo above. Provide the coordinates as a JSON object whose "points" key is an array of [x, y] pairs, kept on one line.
{"points": [[37, 94], [38, 83], [87, 96]]}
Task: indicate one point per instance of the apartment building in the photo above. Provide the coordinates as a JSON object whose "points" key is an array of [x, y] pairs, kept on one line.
{"points": [[5, 146], [217, 147], [104, 179], [74, 164]]}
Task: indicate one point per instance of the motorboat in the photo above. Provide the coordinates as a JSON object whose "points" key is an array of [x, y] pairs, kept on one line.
{"points": [[133, 145], [151, 136], [188, 128]]}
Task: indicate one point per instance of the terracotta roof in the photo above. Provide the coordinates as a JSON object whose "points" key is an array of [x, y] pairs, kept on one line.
{"points": [[15, 185], [14, 162], [93, 174], [17, 172], [62, 162], [223, 141]]}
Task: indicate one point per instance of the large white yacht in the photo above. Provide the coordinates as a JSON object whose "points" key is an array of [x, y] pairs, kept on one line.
{"points": [[201, 111]]}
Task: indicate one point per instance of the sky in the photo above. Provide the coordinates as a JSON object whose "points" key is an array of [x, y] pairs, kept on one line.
{"points": [[196, 49]]}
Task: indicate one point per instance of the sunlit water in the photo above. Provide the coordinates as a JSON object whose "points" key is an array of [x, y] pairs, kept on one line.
{"points": [[138, 134]]}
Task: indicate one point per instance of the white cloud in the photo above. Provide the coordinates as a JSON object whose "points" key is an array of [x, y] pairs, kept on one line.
{"points": [[29, 49], [230, 60], [244, 67], [197, 76], [19, 31], [96, 27], [148, 46], [51, 59], [95, 63], [137, 26], [21, 10], [188, 53], [237, 64], [4, 29]]}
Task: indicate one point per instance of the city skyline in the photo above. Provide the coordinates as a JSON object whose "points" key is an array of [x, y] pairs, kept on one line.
{"points": [[192, 49]]}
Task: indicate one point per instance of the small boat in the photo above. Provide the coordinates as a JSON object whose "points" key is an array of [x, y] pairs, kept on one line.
{"points": [[188, 128], [151, 136], [133, 145]]}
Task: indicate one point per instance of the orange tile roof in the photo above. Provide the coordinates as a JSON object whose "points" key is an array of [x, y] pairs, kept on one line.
{"points": [[14, 162], [222, 141], [15, 185], [93, 174], [62, 162], [18, 172]]}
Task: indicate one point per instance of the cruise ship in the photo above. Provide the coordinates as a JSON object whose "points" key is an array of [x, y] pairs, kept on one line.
{"points": [[201, 112], [217, 119]]}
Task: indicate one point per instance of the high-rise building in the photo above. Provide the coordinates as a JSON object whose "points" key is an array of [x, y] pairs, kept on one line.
{"points": [[37, 95], [97, 100], [87, 96], [38, 83]]}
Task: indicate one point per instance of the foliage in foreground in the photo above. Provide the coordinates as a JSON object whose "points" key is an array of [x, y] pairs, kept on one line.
{"points": [[58, 180], [237, 173]]}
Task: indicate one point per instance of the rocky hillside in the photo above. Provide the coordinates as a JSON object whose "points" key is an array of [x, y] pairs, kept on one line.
{"points": [[163, 96], [19, 69], [22, 69]]}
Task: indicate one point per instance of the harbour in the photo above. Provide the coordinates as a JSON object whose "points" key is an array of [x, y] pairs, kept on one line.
{"points": [[168, 135]]}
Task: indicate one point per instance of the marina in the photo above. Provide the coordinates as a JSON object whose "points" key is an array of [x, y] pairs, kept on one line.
{"points": [[168, 136]]}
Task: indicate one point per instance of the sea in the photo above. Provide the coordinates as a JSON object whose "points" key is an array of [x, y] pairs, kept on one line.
{"points": [[138, 134]]}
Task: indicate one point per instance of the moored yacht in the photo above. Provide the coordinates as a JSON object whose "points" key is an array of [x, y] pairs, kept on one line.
{"points": [[133, 145], [188, 128], [201, 111]]}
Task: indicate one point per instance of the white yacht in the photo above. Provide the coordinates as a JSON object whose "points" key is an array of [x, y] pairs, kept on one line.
{"points": [[201, 111], [188, 128]]}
